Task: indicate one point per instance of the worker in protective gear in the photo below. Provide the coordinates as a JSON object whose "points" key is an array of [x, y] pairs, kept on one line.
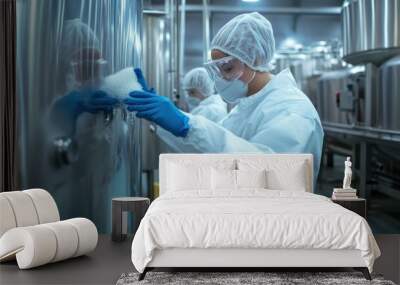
{"points": [[82, 72], [271, 114], [200, 95]]}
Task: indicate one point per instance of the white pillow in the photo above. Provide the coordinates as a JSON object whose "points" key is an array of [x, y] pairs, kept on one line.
{"points": [[251, 178], [181, 177], [293, 177], [223, 179], [281, 174], [227, 179]]}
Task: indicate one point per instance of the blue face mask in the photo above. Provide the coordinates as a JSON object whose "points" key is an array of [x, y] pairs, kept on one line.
{"points": [[232, 90]]}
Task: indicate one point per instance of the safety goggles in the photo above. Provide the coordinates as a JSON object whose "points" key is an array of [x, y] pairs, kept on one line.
{"points": [[193, 92], [228, 68], [86, 70]]}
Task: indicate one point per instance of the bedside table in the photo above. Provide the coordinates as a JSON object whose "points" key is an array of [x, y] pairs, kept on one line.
{"points": [[357, 205], [120, 208]]}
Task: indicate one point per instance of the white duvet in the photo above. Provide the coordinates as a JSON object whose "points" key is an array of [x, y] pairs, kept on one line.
{"points": [[250, 219]]}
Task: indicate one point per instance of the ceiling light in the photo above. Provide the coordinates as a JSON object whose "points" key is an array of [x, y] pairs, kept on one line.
{"points": [[289, 43]]}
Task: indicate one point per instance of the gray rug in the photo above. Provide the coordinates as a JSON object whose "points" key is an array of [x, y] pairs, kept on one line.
{"points": [[236, 278]]}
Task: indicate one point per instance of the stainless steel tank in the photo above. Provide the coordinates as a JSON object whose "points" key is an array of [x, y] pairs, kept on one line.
{"points": [[311, 89], [82, 159], [371, 30], [159, 72], [281, 61], [156, 53], [302, 69], [389, 94], [329, 84], [300, 64], [309, 63], [340, 96]]}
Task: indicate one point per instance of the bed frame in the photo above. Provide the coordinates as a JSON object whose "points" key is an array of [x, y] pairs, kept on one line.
{"points": [[241, 259]]}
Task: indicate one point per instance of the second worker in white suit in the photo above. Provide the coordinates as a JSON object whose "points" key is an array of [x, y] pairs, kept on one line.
{"points": [[201, 100], [271, 114], [200, 95]]}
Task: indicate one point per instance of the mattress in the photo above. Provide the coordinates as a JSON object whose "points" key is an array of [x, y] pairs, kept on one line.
{"points": [[250, 219]]}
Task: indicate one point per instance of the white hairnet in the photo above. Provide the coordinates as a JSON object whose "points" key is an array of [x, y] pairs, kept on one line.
{"points": [[198, 78], [78, 42], [248, 37], [76, 36]]}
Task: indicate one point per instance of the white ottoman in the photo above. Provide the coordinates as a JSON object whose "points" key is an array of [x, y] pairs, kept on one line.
{"points": [[31, 232]]}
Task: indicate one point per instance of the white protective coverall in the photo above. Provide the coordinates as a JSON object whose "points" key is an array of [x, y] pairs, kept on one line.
{"points": [[213, 108], [278, 119]]}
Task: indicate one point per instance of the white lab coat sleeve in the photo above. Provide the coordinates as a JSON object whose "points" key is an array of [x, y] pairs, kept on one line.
{"points": [[176, 144], [287, 133], [215, 138]]}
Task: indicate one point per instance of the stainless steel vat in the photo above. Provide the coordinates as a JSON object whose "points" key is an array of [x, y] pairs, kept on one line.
{"points": [[300, 64], [389, 94], [339, 97], [301, 70], [99, 157], [311, 89], [371, 30], [309, 63], [329, 84], [159, 72]]}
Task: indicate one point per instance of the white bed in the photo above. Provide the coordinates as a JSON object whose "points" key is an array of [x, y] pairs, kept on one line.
{"points": [[203, 220]]}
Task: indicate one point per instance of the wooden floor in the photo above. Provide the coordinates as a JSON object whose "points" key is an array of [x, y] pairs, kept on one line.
{"points": [[110, 260]]}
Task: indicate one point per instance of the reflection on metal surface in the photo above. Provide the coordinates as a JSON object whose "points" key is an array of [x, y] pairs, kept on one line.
{"points": [[370, 30], [159, 74], [329, 84], [389, 94], [331, 101], [66, 50], [371, 95], [66, 151]]}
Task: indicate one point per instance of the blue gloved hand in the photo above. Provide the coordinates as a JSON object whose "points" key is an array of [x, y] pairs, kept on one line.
{"points": [[96, 101], [142, 80], [158, 109], [78, 102], [66, 110]]}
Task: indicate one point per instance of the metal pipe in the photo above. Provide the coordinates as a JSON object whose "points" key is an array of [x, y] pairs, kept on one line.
{"points": [[206, 30], [371, 91], [172, 42], [154, 12], [365, 132], [267, 10], [182, 43], [175, 38], [365, 169], [339, 150]]}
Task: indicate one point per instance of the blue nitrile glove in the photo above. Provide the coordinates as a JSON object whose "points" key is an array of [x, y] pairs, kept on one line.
{"points": [[158, 109], [78, 102], [66, 109], [142, 80]]}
